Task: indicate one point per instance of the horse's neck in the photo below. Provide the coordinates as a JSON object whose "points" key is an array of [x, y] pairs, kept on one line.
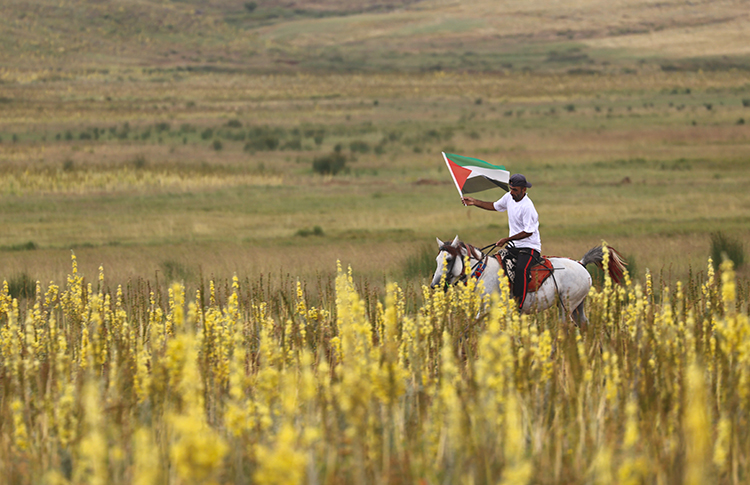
{"points": [[474, 253]]}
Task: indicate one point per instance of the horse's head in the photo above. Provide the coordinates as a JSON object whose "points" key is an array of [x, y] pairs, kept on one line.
{"points": [[450, 262]]}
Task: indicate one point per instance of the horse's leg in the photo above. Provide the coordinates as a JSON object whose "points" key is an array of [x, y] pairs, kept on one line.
{"points": [[579, 316]]}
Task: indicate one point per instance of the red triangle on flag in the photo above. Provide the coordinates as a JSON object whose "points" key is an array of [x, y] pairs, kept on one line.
{"points": [[460, 174]]}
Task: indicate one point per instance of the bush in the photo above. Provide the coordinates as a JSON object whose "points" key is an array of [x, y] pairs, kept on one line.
{"points": [[723, 246], [315, 231], [22, 286], [263, 142], [217, 145], [359, 146], [175, 271], [329, 164], [293, 144], [421, 264], [27, 246]]}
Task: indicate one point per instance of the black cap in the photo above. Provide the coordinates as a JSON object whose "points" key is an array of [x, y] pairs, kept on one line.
{"points": [[518, 180]]}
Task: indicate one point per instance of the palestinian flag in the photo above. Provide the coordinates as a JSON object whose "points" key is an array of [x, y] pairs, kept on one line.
{"points": [[473, 175]]}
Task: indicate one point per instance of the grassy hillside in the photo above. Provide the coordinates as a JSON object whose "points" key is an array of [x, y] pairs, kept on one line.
{"points": [[179, 138], [340, 35]]}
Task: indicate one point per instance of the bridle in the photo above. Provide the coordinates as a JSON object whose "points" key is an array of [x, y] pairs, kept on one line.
{"points": [[477, 268]]}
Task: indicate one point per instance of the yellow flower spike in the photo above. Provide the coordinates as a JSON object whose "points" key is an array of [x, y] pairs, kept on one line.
{"points": [[545, 354], [197, 451], [91, 465], [697, 428], [142, 378], [723, 443], [448, 407], [728, 286], [708, 286], [281, 462], [518, 468], [600, 472], [146, 464], [176, 316], [301, 304], [237, 417], [20, 434]]}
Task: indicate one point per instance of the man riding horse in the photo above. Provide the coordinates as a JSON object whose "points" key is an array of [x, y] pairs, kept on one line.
{"points": [[523, 225]]}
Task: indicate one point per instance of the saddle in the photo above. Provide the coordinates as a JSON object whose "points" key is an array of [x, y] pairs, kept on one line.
{"points": [[538, 273]]}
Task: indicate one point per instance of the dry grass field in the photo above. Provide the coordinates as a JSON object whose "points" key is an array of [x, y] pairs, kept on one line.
{"points": [[653, 163]]}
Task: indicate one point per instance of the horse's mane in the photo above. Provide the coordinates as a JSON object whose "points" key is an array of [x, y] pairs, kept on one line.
{"points": [[455, 251]]}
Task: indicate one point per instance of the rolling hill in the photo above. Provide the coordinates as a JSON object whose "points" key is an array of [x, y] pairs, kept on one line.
{"points": [[583, 36]]}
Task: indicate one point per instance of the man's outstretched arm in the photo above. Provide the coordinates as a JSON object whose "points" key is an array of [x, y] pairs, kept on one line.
{"points": [[478, 203]]}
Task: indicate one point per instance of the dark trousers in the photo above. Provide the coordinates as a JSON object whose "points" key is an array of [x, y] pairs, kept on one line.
{"points": [[527, 257]]}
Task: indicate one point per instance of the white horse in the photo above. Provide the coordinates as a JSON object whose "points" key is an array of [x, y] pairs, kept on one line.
{"points": [[570, 280]]}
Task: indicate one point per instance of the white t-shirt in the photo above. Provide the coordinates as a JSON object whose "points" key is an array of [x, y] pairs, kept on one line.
{"points": [[522, 217]]}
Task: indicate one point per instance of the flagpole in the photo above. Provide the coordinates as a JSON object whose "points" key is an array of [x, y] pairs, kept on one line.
{"points": [[447, 164]]}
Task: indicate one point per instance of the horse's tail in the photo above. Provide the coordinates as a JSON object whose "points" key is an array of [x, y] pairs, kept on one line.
{"points": [[616, 266]]}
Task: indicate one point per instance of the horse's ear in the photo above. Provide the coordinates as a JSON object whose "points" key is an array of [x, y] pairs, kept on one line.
{"points": [[440, 243], [455, 241]]}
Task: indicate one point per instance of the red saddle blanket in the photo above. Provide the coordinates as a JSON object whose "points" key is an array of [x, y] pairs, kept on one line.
{"points": [[538, 273]]}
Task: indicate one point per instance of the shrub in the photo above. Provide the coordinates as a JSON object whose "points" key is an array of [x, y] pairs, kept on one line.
{"points": [[315, 231], [207, 133], [175, 271], [359, 146], [264, 142], [27, 246], [723, 246], [293, 144], [217, 145], [420, 264], [139, 162], [746, 102], [330, 164], [22, 286]]}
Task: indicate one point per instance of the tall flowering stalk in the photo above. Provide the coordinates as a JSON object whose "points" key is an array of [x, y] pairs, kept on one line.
{"points": [[122, 387]]}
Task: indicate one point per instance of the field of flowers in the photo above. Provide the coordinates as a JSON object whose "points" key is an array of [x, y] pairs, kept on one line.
{"points": [[239, 386]]}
